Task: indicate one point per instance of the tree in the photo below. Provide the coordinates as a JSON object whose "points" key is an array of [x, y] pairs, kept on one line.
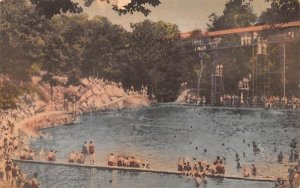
{"points": [[237, 13], [137, 6], [64, 46], [22, 36], [156, 59], [281, 11], [103, 48], [132, 6], [49, 8], [236, 61]]}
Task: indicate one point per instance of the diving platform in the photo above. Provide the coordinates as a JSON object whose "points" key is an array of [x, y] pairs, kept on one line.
{"points": [[132, 169]]}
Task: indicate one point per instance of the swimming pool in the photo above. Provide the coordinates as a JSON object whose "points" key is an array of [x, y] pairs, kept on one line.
{"points": [[159, 136]]}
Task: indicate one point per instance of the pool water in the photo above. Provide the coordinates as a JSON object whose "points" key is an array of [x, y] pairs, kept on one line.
{"points": [[160, 135]]}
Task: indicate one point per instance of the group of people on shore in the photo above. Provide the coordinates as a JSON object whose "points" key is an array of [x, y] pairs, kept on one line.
{"points": [[229, 100], [274, 102], [13, 144], [201, 168], [87, 150], [233, 100], [27, 154], [17, 178], [125, 161]]}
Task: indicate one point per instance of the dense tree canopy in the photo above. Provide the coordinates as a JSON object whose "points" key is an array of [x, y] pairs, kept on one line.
{"points": [[22, 37], [49, 8], [33, 39], [158, 59], [136, 6], [268, 68], [237, 13], [281, 11]]}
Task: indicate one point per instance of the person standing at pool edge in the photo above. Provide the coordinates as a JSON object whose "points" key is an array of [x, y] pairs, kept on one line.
{"points": [[92, 153], [85, 150]]}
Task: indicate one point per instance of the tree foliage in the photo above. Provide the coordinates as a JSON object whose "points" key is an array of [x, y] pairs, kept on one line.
{"points": [[137, 6], [240, 60], [22, 36], [49, 8], [158, 59], [237, 13], [151, 54], [133, 6], [236, 61], [281, 11]]}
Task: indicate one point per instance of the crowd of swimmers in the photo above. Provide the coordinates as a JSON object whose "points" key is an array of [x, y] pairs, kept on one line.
{"points": [[200, 168], [293, 156], [125, 161]]}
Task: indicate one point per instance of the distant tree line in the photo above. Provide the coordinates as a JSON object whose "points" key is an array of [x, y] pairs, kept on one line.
{"points": [[38, 36]]}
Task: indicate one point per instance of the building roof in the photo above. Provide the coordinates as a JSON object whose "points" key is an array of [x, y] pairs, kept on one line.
{"points": [[197, 34]]}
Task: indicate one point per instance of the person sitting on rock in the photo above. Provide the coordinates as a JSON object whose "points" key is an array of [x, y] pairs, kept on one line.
{"points": [[51, 155], [111, 160], [188, 167], [80, 158], [120, 161], [148, 166], [196, 168], [23, 154], [41, 154], [279, 182], [220, 169], [138, 163], [180, 164], [72, 157], [31, 154], [125, 161], [201, 168], [34, 182], [132, 162], [246, 173]]}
